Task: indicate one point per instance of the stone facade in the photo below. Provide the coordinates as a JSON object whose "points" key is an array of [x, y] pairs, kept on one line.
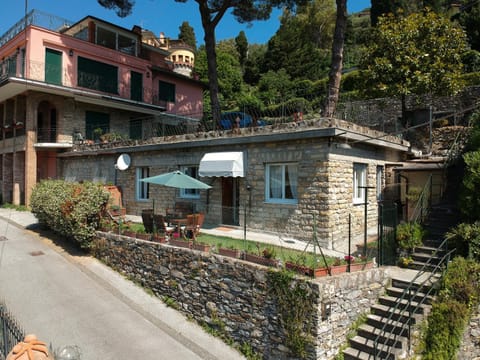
{"points": [[234, 295], [470, 348], [324, 182]]}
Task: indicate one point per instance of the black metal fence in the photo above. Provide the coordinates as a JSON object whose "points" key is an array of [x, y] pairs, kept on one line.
{"points": [[387, 224], [10, 331]]}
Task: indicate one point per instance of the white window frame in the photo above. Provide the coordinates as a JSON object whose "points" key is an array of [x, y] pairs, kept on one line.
{"points": [[191, 170], [142, 189], [359, 182], [282, 199]]}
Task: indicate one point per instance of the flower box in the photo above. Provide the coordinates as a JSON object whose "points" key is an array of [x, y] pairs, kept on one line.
{"points": [[201, 246], [234, 253], [361, 266], [129, 233], [180, 243], [338, 269], [260, 260], [306, 270], [159, 238], [143, 236]]}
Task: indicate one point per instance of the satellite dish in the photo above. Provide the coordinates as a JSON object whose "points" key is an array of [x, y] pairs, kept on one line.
{"points": [[123, 162]]}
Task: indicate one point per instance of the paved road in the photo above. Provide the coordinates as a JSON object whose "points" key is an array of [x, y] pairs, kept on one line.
{"points": [[68, 299]]}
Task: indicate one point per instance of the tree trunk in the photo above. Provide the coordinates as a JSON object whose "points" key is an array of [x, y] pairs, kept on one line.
{"points": [[209, 38], [335, 75]]}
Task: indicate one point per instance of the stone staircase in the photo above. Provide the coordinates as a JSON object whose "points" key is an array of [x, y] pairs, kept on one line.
{"points": [[385, 335]]}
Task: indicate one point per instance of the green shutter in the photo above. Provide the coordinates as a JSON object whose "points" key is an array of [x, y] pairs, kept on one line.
{"points": [[166, 91], [136, 86], [97, 76], [53, 67]]}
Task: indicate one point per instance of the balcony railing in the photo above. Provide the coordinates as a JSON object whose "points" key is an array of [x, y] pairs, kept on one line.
{"points": [[62, 76], [37, 18]]}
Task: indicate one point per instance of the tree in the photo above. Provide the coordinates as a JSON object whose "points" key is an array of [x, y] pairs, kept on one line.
{"points": [[302, 43], [404, 7], [418, 54], [211, 12], [241, 43], [335, 75], [469, 18], [187, 34]]}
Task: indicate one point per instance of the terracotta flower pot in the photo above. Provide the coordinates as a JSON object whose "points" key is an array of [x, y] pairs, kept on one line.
{"points": [[202, 247], [338, 269], [180, 243], [234, 253], [260, 260]]}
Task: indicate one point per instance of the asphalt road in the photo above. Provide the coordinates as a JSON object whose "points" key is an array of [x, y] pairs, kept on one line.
{"points": [[72, 299]]}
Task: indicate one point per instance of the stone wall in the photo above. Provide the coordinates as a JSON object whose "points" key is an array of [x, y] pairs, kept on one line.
{"points": [[234, 296], [470, 348]]}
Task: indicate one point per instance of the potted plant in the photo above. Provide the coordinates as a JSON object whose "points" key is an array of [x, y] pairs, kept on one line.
{"points": [[177, 240], [338, 266], [409, 236], [141, 234], [302, 266], [229, 251], [266, 257], [360, 263]]}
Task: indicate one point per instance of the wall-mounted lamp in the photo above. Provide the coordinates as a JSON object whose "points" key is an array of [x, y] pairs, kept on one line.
{"points": [[70, 52], [148, 75]]}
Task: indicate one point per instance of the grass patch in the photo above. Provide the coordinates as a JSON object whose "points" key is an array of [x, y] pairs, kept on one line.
{"points": [[255, 247]]}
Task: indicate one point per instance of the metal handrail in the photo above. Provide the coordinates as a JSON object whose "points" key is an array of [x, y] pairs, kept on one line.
{"points": [[438, 268], [420, 211]]}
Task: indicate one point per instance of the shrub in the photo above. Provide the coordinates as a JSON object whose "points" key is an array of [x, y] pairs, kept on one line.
{"points": [[465, 238], [459, 294], [409, 235], [70, 209], [445, 330], [469, 197]]}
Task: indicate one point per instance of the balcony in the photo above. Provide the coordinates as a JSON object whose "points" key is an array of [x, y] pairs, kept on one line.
{"points": [[46, 78]]}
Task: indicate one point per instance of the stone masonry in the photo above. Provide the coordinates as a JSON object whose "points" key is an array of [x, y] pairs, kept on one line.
{"points": [[233, 295]]}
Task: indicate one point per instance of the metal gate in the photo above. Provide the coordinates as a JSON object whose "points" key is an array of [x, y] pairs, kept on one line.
{"points": [[387, 226]]}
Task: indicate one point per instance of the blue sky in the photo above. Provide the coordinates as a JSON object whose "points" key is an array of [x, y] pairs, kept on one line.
{"points": [[155, 15]]}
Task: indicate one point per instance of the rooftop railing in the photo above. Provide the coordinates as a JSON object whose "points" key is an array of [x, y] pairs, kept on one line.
{"points": [[37, 18]]}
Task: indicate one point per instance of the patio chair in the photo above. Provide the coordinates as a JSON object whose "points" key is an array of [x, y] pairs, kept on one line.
{"points": [[193, 226], [160, 226]]}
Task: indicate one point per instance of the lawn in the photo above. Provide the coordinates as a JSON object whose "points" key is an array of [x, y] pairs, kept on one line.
{"points": [[282, 253]]}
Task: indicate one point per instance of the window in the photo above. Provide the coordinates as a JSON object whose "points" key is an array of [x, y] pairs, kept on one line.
{"points": [[96, 124], [97, 76], [281, 183], [106, 38], [166, 91], [359, 183], [143, 189], [190, 193], [379, 183]]}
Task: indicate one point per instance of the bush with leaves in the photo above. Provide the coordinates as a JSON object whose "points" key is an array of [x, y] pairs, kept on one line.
{"points": [[459, 294], [70, 209], [409, 235], [465, 238]]}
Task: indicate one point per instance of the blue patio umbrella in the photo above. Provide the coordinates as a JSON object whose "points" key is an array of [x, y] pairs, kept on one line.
{"points": [[176, 179]]}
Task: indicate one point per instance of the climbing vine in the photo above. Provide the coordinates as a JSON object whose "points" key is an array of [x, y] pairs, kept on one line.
{"points": [[295, 303]]}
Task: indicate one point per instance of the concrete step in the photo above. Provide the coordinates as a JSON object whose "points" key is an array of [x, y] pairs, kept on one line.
{"points": [[355, 354], [371, 347], [418, 297], [376, 334], [398, 315], [421, 284], [392, 326], [403, 304], [430, 250], [425, 258]]}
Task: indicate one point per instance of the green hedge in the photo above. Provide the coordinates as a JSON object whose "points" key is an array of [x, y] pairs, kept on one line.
{"points": [[70, 209], [458, 296]]}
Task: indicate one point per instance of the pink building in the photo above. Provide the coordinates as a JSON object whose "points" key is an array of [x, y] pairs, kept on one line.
{"points": [[69, 83]]}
